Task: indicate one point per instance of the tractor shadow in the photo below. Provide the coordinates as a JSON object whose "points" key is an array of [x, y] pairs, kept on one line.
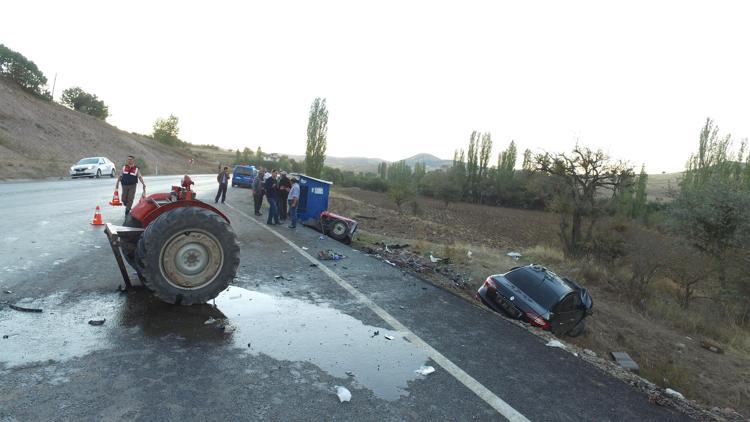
{"points": [[196, 323]]}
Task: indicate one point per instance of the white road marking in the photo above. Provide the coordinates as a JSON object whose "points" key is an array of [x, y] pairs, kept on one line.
{"points": [[477, 388]]}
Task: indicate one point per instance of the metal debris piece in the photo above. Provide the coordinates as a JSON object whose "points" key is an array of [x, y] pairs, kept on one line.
{"points": [[375, 333], [97, 321], [313, 265], [434, 260], [514, 255], [330, 255], [7, 292], [279, 277], [389, 337], [343, 393], [625, 361], [210, 320], [425, 370], [304, 248], [22, 309]]}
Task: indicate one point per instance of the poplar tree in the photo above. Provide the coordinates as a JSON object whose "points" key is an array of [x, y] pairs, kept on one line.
{"points": [[317, 132]]}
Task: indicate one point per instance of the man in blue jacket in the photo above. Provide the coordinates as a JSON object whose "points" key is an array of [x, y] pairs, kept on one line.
{"points": [[271, 187], [223, 179]]}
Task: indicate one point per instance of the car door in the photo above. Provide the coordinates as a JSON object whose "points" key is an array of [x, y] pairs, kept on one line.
{"points": [[566, 314]]}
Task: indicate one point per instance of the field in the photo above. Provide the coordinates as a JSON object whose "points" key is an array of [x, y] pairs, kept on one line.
{"points": [[662, 338]]}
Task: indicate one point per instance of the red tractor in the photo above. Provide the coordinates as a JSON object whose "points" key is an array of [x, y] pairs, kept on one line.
{"points": [[183, 250]]}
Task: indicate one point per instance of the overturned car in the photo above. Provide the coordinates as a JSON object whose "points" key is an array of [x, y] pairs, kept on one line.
{"points": [[537, 295]]}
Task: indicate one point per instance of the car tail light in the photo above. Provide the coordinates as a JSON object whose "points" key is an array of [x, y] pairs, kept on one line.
{"points": [[490, 284], [537, 320]]}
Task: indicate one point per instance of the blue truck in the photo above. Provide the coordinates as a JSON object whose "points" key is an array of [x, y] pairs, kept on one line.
{"points": [[243, 176]]}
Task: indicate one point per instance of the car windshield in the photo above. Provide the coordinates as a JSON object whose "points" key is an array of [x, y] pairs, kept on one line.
{"points": [[243, 171], [89, 161], [544, 287]]}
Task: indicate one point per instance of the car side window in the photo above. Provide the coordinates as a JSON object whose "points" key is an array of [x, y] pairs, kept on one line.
{"points": [[568, 304]]}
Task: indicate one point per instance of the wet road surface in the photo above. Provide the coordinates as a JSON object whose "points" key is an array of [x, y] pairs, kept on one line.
{"points": [[269, 347]]}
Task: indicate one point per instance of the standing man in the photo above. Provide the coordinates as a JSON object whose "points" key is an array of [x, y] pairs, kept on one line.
{"points": [[271, 187], [223, 179], [284, 186], [293, 201], [258, 190], [129, 176]]}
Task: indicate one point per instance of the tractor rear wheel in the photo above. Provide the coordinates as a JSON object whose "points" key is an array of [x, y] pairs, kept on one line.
{"points": [[188, 255]]}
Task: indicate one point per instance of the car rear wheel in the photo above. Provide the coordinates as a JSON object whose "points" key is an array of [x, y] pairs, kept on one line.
{"points": [[578, 329], [98, 173], [188, 255]]}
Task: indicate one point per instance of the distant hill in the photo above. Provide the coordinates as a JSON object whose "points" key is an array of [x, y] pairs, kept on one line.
{"points": [[43, 139], [431, 162]]}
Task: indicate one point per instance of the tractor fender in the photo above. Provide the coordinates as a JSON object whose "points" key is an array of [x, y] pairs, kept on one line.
{"points": [[161, 209]]}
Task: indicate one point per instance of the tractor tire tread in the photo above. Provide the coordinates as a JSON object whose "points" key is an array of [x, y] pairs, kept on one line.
{"points": [[153, 238]]}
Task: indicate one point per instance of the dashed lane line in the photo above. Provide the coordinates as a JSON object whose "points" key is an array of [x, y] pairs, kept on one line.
{"points": [[472, 384]]}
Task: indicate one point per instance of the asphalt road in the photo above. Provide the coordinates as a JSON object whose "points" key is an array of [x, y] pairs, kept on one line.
{"points": [[288, 342]]}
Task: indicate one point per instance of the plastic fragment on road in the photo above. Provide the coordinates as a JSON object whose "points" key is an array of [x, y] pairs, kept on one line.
{"points": [[675, 394], [210, 320], [236, 296], [279, 277], [514, 255], [425, 370], [468, 254], [389, 337], [343, 393], [330, 255], [322, 238], [304, 248], [434, 260], [555, 343], [22, 309], [97, 321], [7, 292], [389, 262]]}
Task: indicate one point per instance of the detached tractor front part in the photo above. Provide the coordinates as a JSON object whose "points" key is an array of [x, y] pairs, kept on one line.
{"points": [[184, 250]]}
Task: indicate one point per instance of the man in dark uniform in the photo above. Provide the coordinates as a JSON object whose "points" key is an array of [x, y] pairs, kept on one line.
{"points": [[283, 193], [271, 187], [223, 179], [258, 190], [130, 175]]}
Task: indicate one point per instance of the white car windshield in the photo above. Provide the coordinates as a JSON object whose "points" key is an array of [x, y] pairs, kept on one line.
{"points": [[89, 161]]}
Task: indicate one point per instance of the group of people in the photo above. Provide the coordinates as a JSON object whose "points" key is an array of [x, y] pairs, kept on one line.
{"points": [[281, 192]]}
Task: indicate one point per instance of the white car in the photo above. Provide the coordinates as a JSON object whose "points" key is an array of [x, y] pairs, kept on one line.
{"points": [[93, 167]]}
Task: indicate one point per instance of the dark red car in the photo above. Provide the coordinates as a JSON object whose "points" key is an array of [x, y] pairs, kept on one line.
{"points": [[537, 295]]}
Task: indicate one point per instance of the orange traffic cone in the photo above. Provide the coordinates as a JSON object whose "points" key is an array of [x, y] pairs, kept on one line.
{"points": [[115, 200], [97, 217]]}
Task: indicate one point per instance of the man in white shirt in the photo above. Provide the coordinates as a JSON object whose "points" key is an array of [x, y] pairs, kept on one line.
{"points": [[293, 201]]}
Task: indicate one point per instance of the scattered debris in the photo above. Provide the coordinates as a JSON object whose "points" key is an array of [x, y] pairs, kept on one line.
{"points": [[5, 336], [313, 265], [626, 362], [227, 328], [330, 255], [389, 337], [710, 346], [556, 343], [468, 254], [7, 292], [22, 309], [390, 263], [304, 248], [210, 320], [279, 277], [434, 260], [322, 238], [675, 394], [343, 393], [350, 373], [375, 333], [425, 370], [514, 255], [589, 352], [97, 321], [283, 251]]}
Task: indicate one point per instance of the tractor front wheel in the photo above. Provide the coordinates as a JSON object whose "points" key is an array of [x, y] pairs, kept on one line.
{"points": [[188, 255], [338, 230]]}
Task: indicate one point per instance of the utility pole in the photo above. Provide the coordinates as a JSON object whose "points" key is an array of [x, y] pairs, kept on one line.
{"points": [[53, 86]]}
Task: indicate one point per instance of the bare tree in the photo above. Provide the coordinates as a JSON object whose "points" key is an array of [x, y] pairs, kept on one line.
{"points": [[580, 176]]}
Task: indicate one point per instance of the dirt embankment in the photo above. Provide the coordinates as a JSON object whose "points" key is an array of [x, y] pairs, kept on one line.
{"points": [[43, 139], [669, 356]]}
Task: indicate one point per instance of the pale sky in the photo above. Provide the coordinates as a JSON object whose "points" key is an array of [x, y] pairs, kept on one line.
{"points": [[637, 79]]}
